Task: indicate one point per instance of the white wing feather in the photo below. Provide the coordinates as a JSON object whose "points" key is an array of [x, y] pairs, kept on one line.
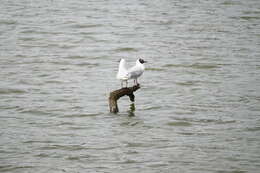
{"points": [[135, 72], [122, 71]]}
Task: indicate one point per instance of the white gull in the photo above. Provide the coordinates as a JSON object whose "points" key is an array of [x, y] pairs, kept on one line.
{"points": [[136, 71], [132, 73]]}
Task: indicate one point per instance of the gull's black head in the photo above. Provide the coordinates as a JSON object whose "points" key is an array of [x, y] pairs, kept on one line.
{"points": [[142, 61]]}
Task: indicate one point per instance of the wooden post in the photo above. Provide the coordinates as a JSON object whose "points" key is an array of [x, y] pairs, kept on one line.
{"points": [[115, 95]]}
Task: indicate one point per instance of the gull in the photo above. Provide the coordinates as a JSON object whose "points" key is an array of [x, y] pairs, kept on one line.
{"points": [[136, 71], [122, 72]]}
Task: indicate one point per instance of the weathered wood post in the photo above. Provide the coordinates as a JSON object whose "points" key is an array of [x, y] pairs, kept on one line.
{"points": [[115, 95]]}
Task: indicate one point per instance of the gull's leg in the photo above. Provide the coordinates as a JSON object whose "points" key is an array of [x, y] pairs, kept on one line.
{"points": [[126, 83], [136, 82]]}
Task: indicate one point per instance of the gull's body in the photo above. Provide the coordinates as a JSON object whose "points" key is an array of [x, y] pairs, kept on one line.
{"points": [[122, 72], [136, 71]]}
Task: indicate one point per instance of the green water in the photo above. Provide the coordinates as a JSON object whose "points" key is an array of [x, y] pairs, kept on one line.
{"points": [[197, 110]]}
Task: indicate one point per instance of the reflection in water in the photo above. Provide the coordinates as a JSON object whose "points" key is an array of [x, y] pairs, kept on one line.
{"points": [[131, 110]]}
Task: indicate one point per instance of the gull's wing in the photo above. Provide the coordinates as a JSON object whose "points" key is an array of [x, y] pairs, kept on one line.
{"points": [[122, 71], [134, 72]]}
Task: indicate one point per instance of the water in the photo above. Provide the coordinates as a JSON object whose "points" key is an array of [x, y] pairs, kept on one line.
{"points": [[198, 108]]}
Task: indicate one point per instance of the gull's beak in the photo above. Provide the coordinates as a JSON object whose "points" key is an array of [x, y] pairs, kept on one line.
{"points": [[119, 60], [145, 61]]}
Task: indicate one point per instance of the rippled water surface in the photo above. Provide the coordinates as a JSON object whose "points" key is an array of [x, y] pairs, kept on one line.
{"points": [[197, 109]]}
